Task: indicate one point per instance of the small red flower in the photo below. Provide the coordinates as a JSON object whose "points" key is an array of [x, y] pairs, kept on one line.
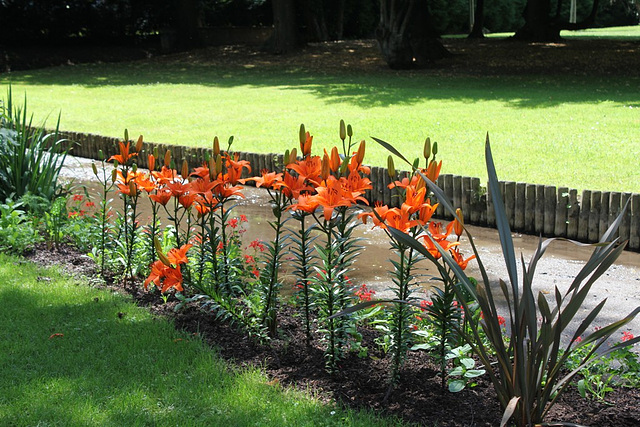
{"points": [[249, 259], [578, 340], [257, 244], [77, 197], [501, 321], [72, 214], [233, 222], [89, 204], [256, 273], [243, 218], [627, 336]]}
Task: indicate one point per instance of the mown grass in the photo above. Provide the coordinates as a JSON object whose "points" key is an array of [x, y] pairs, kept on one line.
{"points": [[117, 365], [580, 132]]}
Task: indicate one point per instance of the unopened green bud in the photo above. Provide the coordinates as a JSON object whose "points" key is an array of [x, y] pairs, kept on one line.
{"points": [[435, 148], [230, 143], [94, 168], [349, 131], [126, 135], [287, 157], [343, 130], [100, 155], [134, 168], [302, 135], [427, 149], [114, 175], [391, 169]]}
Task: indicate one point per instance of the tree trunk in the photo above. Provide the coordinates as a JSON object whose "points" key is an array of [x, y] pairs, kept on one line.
{"points": [[189, 21], [314, 17], [285, 31], [477, 32], [405, 35], [538, 25]]}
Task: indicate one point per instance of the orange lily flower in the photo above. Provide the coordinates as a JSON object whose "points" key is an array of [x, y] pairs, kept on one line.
{"points": [[178, 188], [332, 195], [234, 168], [124, 155], [378, 215], [415, 198], [426, 212], [401, 218], [203, 185], [306, 146], [225, 191], [179, 256], [306, 203], [186, 200], [267, 180], [444, 244], [165, 175], [459, 259], [357, 184], [162, 197], [309, 168], [292, 186]]}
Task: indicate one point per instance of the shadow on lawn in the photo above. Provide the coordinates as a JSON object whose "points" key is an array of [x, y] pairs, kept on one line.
{"points": [[378, 87]]}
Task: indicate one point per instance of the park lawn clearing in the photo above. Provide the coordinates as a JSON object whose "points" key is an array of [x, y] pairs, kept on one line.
{"points": [[75, 355], [579, 131]]}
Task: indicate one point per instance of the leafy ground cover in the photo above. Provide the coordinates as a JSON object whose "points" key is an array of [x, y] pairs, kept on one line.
{"points": [[72, 354], [571, 103]]}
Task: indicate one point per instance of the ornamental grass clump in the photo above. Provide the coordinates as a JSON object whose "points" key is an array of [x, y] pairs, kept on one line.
{"points": [[30, 157], [526, 366]]}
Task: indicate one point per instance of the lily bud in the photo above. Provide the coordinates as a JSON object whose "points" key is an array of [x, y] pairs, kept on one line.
{"points": [[433, 170], [167, 158], [218, 165], [349, 131], [427, 148], [435, 148], [325, 166], [94, 169], [360, 153], [287, 157], [126, 135], [229, 143], [303, 136], [335, 159], [458, 225], [212, 168], [216, 146], [185, 169], [155, 152], [306, 150], [139, 144], [134, 168], [133, 190], [391, 169], [114, 175], [343, 130], [343, 168], [161, 256], [100, 155], [151, 160], [293, 156]]}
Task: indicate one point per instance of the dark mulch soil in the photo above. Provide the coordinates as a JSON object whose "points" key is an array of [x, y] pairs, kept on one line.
{"points": [[574, 57], [362, 382]]}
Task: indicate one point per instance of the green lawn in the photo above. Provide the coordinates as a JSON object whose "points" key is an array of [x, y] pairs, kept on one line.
{"points": [[580, 132], [114, 364]]}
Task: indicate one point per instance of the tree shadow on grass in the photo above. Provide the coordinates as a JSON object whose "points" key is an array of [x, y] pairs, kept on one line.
{"points": [[363, 90]]}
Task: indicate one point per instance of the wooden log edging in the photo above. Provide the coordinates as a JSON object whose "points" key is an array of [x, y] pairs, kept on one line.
{"points": [[532, 209]]}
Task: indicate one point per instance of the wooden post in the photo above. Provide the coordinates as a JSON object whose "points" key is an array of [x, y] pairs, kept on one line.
{"points": [[441, 183], [594, 216], [560, 229], [509, 197], [573, 214], [476, 205], [625, 224], [530, 208], [550, 204], [467, 193], [634, 232], [448, 179], [614, 210], [604, 213], [520, 206], [585, 215], [539, 211], [457, 192]]}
